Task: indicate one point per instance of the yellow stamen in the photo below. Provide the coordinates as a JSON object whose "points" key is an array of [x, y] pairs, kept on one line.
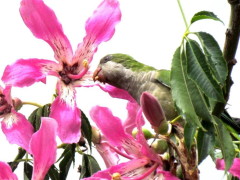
{"points": [[96, 78], [116, 176], [85, 63]]}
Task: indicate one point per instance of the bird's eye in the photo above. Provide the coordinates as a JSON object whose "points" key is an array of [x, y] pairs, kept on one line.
{"points": [[105, 59]]}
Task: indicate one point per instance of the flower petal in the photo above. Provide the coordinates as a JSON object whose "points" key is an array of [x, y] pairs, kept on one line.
{"points": [[25, 72], [99, 27], [132, 105], [111, 127], [64, 110], [166, 175], [121, 169], [7, 94], [6, 172], [117, 92], [109, 156], [43, 147], [234, 170], [43, 23], [17, 129], [130, 123], [145, 150]]}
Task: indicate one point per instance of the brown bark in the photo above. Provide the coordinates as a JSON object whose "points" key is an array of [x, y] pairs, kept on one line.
{"points": [[230, 49]]}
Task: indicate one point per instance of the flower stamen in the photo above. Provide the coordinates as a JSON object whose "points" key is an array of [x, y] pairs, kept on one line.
{"points": [[116, 176], [85, 63]]}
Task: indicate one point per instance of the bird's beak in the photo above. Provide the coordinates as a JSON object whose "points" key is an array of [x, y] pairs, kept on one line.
{"points": [[98, 75]]}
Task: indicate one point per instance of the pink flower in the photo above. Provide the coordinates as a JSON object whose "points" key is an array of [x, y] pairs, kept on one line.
{"points": [[143, 163], [234, 169], [17, 129], [6, 172], [43, 148], [69, 68], [132, 106]]}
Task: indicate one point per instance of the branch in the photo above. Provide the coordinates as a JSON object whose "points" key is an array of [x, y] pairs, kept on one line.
{"points": [[230, 49], [231, 41]]}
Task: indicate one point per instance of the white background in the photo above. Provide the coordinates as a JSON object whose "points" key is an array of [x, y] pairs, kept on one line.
{"points": [[150, 31]]}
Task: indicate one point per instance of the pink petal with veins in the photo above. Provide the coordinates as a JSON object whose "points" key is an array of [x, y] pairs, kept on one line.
{"points": [[112, 128], [7, 94], [6, 172], [17, 129], [99, 27], [64, 109], [166, 175], [124, 169], [43, 147], [234, 169], [109, 156], [117, 93], [25, 72], [43, 23], [130, 123], [145, 149], [132, 106]]}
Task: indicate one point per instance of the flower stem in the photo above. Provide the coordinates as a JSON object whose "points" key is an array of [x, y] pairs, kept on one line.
{"points": [[183, 15], [32, 103], [175, 120]]}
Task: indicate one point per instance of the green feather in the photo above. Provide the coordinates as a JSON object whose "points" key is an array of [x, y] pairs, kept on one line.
{"points": [[163, 76], [130, 63]]}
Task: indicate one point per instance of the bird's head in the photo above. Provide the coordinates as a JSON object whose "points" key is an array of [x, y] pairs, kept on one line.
{"points": [[112, 68]]}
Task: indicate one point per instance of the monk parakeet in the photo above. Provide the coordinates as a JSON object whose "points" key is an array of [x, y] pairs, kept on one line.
{"points": [[122, 71]]}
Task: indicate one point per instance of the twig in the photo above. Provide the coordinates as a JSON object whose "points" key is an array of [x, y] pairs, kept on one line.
{"points": [[230, 49]]}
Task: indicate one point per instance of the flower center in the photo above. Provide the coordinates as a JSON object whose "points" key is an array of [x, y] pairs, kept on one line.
{"points": [[68, 70], [5, 108]]}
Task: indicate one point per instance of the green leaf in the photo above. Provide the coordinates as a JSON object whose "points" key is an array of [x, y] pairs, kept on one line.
{"points": [[86, 129], [27, 168], [225, 142], [68, 157], [14, 164], [180, 90], [232, 123], [35, 116], [199, 101], [189, 133], [205, 141], [53, 173], [46, 110], [89, 166], [198, 70], [204, 15], [214, 56]]}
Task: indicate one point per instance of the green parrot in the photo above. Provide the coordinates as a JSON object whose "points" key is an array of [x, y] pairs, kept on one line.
{"points": [[122, 71]]}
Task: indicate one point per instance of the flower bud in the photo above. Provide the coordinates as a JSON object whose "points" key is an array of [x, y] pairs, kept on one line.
{"points": [[152, 109], [160, 146], [147, 134], [17, 104], [164, 128], [154, 113], [96, 136]]}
